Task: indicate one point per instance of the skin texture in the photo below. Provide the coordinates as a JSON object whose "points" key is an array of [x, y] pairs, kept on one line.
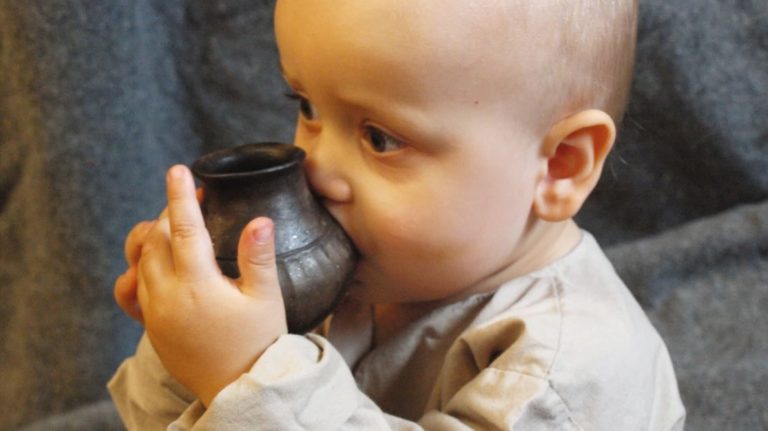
{"points": [[423, 142]]}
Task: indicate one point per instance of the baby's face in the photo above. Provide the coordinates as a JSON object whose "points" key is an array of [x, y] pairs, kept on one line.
{"points": [[413, 140]]}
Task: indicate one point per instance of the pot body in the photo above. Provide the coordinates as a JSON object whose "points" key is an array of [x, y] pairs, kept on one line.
{"points": [[315, 258]]}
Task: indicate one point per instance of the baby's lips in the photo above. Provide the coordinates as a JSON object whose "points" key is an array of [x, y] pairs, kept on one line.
{"points": [[339, 215]]}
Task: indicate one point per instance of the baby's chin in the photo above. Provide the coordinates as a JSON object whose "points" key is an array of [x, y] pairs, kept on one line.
{"points": [[380, 291], [367, 291], [372, 284]]}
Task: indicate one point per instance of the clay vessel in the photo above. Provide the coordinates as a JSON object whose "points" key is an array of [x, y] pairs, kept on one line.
{"points": [[315, 258]]}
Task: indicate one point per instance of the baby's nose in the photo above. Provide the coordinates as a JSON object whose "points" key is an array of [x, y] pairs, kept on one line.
{"points": [[325, 176]]}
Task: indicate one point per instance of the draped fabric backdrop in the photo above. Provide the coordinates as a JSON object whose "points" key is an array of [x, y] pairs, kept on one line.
{"points": [[98, 98]]}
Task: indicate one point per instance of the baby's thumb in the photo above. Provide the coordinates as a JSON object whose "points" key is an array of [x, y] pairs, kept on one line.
{"points": [[256, 258]]}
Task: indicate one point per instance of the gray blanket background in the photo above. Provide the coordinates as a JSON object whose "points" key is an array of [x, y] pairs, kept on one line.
{"points": [[99, 97]]}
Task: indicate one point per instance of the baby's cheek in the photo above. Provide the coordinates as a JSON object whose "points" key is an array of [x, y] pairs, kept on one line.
{"points": [[420, 236], [396, 232]]}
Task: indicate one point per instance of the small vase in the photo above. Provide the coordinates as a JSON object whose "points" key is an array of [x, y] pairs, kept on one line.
{"points": [[315, 258]]}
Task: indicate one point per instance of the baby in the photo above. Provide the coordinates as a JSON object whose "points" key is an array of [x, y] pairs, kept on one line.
{"points": [[454, 141]]}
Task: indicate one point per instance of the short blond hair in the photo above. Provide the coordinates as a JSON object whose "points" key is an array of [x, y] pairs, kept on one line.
{"points": [[592, 47]]}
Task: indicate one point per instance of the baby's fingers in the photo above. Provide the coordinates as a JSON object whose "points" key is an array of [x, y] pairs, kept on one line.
{"points": [[156, 268], [198, 194], [126, 294], [256, 259], [135, 240], [191, 244]]}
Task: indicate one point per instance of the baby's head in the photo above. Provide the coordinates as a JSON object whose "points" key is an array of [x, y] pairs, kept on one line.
{"points": [[580, 53], [446, 136]]}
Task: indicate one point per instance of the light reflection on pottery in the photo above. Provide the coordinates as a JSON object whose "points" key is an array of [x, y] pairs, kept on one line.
{"points": [[315, 258]]}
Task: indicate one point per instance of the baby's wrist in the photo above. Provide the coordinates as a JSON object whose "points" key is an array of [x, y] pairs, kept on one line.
{"points": [[286, 356], [207, 390]]}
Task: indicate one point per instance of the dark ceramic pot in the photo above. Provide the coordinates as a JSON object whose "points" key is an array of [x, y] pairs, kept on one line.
{"points": [[315, 258]]}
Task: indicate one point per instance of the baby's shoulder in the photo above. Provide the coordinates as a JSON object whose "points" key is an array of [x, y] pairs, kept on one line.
{"points": [[571, 345], [530, 324], [570, 338], [556, 325]]}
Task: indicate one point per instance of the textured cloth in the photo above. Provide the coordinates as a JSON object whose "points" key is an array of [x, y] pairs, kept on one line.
{"points": [[98, 97], [566, 347]]}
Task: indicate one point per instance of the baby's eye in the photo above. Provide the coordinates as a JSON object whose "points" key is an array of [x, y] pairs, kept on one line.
{"points": [[381, 142], [305, 106]]}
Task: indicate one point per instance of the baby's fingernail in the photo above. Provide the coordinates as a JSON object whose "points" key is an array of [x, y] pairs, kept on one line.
{"points": [[176, 172], [262, 232]]}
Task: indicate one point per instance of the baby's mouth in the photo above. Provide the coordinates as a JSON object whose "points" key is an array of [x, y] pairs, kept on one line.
{"points": [[331, 208]]}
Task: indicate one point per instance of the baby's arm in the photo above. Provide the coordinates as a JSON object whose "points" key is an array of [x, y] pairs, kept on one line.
{"points": [[147, 397], [302, 382]]}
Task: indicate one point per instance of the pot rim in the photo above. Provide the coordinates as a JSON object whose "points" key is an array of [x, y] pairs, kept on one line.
{"points": [[285, 156]]}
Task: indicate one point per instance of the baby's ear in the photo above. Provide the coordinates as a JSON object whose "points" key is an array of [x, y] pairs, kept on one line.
{"points": [[574, 150]]}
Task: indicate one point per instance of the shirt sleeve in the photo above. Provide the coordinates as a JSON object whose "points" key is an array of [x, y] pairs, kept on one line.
{"points": [[299, 383], [502, 399], [302, 382], [145, 395]]}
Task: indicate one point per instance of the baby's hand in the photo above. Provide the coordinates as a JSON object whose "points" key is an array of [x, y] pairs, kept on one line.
{"points": [[126, 285], [206, 328]]}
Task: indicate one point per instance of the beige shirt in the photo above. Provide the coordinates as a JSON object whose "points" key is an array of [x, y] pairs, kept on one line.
{"points": [[564, 348]]}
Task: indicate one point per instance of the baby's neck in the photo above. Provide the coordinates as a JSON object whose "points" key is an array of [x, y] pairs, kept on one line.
{"points": [[390, 319], [543, 244]]}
